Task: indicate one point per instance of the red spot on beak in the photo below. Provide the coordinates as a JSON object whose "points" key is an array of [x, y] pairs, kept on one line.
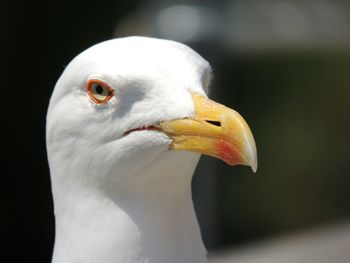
{"points": [[228, 152]]}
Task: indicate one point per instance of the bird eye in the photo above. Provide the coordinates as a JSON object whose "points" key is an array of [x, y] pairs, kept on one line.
{"points": [[99, 91]]}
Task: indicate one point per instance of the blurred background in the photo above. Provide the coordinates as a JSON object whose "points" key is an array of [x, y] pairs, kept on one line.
{"points": [[283, 64]]}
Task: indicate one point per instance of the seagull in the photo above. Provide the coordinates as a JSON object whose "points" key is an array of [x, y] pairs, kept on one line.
{"points": [[126, 124]]}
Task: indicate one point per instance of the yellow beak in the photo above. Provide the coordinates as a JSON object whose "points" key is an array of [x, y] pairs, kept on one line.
{"points": [[215, 130]]}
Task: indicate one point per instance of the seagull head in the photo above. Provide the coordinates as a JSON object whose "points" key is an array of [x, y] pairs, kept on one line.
{"points": [[126, 125], [123, 104]]}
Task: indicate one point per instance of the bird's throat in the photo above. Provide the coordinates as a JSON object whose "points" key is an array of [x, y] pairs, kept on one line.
{"points": [[148, 220]]}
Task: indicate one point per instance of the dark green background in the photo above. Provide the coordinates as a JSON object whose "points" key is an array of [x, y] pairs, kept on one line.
{"points": [[296, 103]]}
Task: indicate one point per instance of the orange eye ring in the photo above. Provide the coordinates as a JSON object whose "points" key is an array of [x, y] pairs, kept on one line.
{"points": [[99, 91]]}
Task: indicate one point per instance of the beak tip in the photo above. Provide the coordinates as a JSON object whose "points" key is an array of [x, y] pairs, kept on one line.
{"points": [[252, 155], [252, 161], [251, 152], [254, 166]]}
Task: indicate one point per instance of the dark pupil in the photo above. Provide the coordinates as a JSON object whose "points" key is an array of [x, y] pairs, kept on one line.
{"points": [[99, 90]]}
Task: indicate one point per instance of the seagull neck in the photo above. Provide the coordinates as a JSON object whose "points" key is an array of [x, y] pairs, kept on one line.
{"points": [[150, 219]]}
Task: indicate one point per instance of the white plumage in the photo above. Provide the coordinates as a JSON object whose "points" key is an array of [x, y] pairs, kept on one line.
{"points": [[118, 196]]}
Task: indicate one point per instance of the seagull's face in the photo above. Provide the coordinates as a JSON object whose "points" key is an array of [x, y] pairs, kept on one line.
{"points": [[132, 100]]}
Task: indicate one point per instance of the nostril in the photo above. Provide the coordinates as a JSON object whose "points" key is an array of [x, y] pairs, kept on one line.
{"points": [[216, 123]]}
